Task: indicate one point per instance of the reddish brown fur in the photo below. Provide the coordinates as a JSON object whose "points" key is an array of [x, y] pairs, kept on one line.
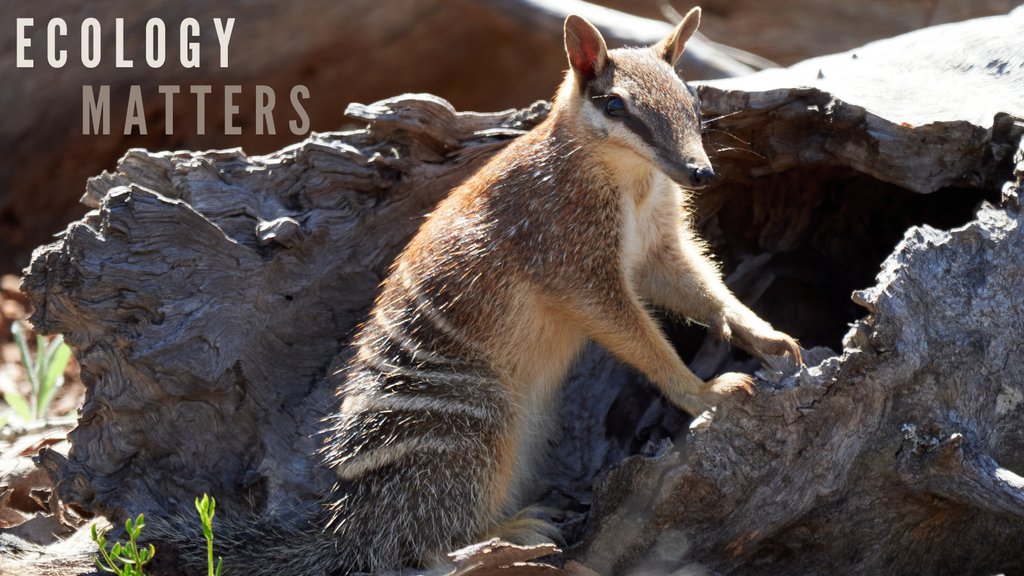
{"points": [[562, 237]]}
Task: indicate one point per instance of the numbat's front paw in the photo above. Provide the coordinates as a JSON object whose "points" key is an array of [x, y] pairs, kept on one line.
{"points": [[776, 343], [731, 383], [767, 342]]}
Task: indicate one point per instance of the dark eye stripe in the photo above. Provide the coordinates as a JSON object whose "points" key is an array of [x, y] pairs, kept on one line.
{"points": [[641, 129], [630, 121]]}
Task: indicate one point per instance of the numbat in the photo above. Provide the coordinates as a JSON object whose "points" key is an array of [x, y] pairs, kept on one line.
{"points": [[563, 237]]}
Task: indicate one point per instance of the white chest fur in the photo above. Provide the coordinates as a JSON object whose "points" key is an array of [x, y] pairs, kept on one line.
{"points": [[645, 203]]}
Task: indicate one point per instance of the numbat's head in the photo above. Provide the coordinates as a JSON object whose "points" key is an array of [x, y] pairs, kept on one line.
{"points": [[633, 99]]}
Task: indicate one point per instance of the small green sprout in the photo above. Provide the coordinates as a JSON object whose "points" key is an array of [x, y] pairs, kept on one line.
{"points": [[206, 507], [45, 373], [124, 559]]}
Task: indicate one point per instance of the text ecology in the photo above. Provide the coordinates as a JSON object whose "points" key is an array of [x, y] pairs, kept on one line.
{"points": [[91, 36], [62, 49]]}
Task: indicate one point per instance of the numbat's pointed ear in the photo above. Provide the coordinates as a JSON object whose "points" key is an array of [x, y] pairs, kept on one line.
{"points": [[586, 48], [671, 48]]}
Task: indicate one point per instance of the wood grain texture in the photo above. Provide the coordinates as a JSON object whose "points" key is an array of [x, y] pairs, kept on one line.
{"points": [[208, 293]]}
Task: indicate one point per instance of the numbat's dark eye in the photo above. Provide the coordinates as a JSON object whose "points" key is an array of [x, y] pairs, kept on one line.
{"points": [[615, 107]]}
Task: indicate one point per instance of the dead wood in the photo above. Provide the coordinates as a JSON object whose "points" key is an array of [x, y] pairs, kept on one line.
{"points": [[207, 296]]}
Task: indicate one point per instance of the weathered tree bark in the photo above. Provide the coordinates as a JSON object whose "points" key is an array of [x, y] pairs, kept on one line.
{"points": [[900, 456], [207, 296], [228, 283]]}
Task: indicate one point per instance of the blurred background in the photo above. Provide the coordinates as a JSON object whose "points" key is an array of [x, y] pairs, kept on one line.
{"points": [[482, 55]]}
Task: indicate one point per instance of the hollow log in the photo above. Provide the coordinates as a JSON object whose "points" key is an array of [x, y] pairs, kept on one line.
{"points": [[209, 298]]}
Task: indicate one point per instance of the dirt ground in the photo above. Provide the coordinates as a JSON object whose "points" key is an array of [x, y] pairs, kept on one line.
{"points": [[37, 535]]}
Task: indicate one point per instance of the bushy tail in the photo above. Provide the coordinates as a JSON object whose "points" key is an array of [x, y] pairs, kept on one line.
{"points": [[259, 546]]}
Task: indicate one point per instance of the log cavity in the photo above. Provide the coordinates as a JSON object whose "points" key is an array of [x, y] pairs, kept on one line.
{"points": [[795, 245]]}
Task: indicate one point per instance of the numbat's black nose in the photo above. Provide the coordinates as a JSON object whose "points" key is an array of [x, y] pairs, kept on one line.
{"points": [[703, 175]]}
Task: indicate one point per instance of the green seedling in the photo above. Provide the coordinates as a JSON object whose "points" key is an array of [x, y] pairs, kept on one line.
{"points": [[123, 559], [45, 373], [206, 507]]}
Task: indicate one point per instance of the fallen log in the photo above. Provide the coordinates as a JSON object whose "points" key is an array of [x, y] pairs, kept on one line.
{"points": [[207, 296]]}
